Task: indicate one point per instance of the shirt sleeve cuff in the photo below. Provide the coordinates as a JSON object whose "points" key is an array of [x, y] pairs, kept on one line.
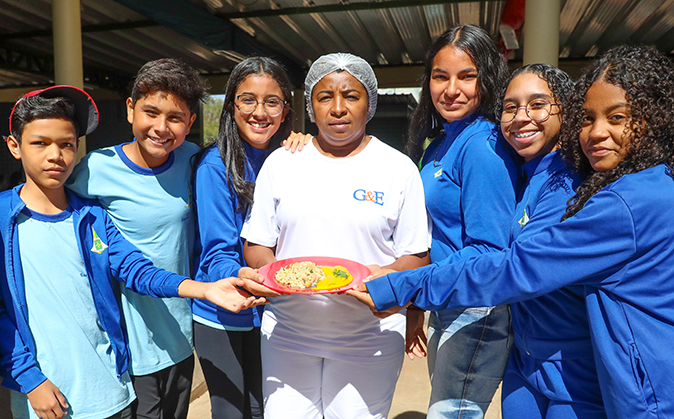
{"points": [[382, 293]]}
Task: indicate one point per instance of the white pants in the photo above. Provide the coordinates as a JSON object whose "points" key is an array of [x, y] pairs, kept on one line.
{"points": [[302, 386]]}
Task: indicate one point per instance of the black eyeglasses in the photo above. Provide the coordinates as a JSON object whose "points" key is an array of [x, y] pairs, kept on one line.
{"points": [[247, 104], [537, 109]]}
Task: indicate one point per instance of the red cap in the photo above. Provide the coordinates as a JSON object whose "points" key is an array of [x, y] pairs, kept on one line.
{"points": [[86, 112]]}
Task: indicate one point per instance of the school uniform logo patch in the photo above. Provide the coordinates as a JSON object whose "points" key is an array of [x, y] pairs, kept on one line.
{"points": [[369, 196], [437, 174], [99, 246], [524, 220]]}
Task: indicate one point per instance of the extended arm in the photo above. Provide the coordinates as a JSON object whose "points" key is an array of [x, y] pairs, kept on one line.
{"points": [[585, 249], [139, 274]]}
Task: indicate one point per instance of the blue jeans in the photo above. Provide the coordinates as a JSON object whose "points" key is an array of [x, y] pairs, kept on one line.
{"points": [[467, 354]]}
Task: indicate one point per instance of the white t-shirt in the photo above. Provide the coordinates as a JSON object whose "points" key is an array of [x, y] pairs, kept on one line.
{"points": [[368, 208]]}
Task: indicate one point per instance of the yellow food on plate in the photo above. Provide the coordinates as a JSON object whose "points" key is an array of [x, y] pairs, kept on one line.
{"points": [[308, 275], [335, 277]]}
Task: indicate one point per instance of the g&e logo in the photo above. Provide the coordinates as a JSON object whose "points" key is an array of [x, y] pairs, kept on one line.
{"points": [[372, 196]]}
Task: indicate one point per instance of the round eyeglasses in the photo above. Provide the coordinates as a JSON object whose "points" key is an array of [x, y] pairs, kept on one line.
{"points": [[247, 104], [537, 109]]}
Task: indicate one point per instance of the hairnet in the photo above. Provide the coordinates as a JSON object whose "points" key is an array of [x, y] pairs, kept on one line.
{"points": [[356, 66]]}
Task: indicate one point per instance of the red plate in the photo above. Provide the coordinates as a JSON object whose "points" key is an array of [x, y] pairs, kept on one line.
{"points": [[357, 270]]}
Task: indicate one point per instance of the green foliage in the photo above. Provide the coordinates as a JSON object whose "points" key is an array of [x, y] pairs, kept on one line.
{"points": [[211, 112]]}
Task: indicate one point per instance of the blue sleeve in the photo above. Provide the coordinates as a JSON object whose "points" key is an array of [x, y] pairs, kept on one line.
{"points": [[18, 366], [488, 198], [219, 233], [130, 267], [585, 249]]}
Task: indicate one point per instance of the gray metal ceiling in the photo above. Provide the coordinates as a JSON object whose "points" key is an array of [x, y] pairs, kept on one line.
{"points": [[118, 39]]}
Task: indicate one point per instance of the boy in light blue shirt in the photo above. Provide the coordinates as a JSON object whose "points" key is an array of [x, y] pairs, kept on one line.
{"points": [[63, 349], [144, 186]]}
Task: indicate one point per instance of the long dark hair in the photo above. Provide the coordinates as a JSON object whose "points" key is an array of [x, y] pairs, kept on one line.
{"points": [[491, 75], [229, 142], [647, 77], [558, 81]]}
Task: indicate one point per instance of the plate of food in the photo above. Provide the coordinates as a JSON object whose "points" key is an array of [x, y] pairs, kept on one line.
{"points": [[313, 275]]}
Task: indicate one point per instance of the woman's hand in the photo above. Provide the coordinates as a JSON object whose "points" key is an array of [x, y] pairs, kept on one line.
{"points": [[376, 271], [296, 141], [252, 281], [361, 294], [47, 401], [415, 340]]}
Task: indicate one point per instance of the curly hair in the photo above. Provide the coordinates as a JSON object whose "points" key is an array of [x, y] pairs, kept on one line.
{"points": [[647, 77], [559, 83], [492, 72]]}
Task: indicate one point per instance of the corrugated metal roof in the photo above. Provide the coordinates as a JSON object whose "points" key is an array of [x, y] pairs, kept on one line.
{"points": [[118, 40]]}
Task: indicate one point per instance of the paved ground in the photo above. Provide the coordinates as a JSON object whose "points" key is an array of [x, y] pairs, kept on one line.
{"points": [[410, 400]]}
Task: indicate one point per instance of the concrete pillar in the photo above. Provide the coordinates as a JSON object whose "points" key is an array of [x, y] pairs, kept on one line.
{"points": [[68, 49], [299, 110], [541, 32]]}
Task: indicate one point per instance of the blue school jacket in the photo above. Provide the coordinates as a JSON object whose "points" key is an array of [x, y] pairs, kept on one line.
{"points": [[553, 326], [620, 247], [218, 245], [106, 255]]}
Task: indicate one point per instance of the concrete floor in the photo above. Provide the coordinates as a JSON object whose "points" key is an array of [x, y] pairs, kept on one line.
{"points": [[410, 400]]}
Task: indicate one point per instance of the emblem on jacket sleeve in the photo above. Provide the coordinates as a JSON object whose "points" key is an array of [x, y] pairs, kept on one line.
{"points": [[99, 246]]}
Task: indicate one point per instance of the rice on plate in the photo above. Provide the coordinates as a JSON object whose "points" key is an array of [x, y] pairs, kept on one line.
{"points": [[300, 275]]}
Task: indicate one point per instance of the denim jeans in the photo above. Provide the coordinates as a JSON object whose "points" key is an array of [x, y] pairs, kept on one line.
{"points": [[467, 354]]}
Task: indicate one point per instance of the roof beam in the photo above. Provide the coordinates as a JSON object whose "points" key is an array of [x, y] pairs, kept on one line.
{"points": [[347, 7], [32, 62], [287, 11], [85, 29]]}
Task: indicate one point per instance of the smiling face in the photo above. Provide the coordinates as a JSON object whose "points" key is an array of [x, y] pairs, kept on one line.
{"points": [[453, 84], [257, 128], [160, 122], [340, 108], [47, 152], [604, 135], [529, 138]]}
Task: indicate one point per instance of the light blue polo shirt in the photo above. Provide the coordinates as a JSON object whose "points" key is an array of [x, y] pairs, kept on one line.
{"points": [[152, 210]]}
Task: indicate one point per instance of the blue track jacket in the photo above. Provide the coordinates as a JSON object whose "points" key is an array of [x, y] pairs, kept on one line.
{"points": [[553, 326], [620, 246], [218, 245], [120, 259]]}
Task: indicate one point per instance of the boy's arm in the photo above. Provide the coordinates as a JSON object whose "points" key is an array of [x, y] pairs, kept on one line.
{"points": [[129, 266]]}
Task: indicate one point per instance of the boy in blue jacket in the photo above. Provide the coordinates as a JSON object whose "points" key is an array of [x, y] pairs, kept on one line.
{"points": [[63, 349], [145, 187]]}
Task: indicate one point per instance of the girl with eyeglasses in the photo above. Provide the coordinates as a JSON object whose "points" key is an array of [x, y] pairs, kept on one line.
{"points": [[468, 174], [614, 240], [254, 120], [551, 372]]}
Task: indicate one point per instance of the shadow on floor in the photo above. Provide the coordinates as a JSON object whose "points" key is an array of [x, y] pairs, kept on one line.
{"points": [[410, 415]]}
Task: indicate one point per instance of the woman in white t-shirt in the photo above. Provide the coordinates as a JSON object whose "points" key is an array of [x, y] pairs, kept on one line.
{"points": [[346, 195]]}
